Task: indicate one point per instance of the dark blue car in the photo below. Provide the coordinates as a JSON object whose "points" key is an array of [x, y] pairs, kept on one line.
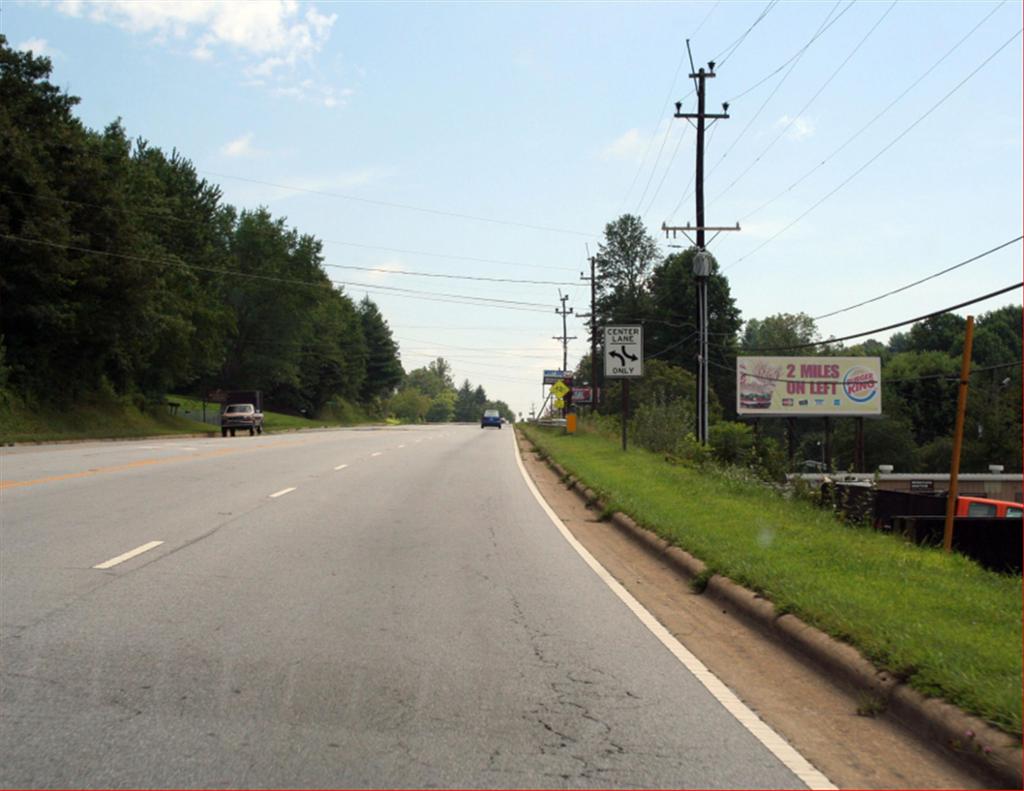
{"points": [[491, 418]]}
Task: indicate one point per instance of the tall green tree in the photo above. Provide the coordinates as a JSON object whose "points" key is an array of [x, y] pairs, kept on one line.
{"points": [[670, 333], [624, 262], [383, 366]]}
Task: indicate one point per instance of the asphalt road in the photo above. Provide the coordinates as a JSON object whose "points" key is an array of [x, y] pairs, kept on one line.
{"points": [[403, 613]]}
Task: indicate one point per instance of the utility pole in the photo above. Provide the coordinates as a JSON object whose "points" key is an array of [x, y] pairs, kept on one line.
{"points": [[593, 332], [701, 261], [564, 337]]}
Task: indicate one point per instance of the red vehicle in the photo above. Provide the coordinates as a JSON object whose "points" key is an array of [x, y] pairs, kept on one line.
{"points": [[983, 506]]}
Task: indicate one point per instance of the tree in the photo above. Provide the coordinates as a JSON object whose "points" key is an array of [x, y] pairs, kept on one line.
{"points": [[623, 265], [465, 405], [942, 333], [442, 407], [777, 334], [671, 329], [409, 405], [383, 367], [433, 379], [921, 387]]}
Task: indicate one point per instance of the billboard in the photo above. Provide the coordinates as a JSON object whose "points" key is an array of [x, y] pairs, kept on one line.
{"points": [[808, 386]]}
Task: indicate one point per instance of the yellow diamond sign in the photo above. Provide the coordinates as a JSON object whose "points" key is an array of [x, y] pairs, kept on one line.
{"points": [[559, 388]]}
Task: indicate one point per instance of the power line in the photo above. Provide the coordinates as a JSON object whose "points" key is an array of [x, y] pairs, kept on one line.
{"points": [[889, 326], [882, 112], [163, 216], [451, 277], [668, 169], [885, 148], [667, 102], [810, 101], [404, 206], [796, 61], [922, 280], [431, 296], [729, 51]]}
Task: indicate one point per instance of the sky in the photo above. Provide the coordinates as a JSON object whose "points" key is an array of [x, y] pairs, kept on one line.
{"points": [[869, 145]]}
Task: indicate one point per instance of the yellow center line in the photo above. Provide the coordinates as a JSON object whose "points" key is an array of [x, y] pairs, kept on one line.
{"points": [[132, 465]]}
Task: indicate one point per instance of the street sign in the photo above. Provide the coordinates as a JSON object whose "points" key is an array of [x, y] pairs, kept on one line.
{"points": [[550, 377], [559, 388], [624, 352], [559, 403]]}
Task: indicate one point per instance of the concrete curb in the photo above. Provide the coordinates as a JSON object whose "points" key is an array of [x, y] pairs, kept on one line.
{"points": [[963, 737]]}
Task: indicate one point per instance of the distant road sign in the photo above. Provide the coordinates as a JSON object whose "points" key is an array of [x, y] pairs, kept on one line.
{"points": [[559, 388], [624, 352], [550, 377]]}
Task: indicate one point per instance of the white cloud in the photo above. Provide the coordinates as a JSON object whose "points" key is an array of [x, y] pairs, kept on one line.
{"points": [[270, 38], [38, 47], [796, 129], [630, 145], [241, 147]]}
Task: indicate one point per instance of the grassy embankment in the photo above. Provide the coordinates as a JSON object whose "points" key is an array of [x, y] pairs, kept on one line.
{"points": [[948, 627], [121, 419]]}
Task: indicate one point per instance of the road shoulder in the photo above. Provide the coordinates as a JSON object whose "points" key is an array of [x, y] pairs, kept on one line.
{"points": [[817, 714]]}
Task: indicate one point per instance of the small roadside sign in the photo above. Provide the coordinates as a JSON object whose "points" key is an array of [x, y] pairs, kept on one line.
{"points": [[552, 376], [624, 352], [559, 388]]}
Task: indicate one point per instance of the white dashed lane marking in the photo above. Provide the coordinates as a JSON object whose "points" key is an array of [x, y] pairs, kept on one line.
{"points": [[284, 491], [341, 466], [128, 555]]}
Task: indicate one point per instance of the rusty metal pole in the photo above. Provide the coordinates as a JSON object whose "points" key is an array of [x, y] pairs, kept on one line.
{"points": [[958, 435]]}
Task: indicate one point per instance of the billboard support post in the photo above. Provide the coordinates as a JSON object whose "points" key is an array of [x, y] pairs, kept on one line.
{"points": [[858, 444], [828, 444]]}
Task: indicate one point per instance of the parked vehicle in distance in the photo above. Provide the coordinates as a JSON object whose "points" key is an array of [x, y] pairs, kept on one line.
{"points": [[241, 416], [983, 506], [491, 418]]}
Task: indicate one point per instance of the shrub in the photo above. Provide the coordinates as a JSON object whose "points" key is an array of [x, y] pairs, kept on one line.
{"points": [[661, 426], [732, 443]]}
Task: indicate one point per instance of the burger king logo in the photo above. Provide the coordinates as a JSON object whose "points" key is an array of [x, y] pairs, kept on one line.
{"points": [[860, 385]]}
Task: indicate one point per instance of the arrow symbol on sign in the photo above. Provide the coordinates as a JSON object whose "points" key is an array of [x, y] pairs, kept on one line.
{"points": [[623, 355]]}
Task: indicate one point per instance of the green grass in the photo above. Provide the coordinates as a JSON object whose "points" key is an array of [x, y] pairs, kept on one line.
{"points": [[102, 418], [947, 626], [119, 418]]}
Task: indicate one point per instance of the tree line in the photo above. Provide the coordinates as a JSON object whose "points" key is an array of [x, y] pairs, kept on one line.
{"points": [[126, 274], [638, 285]]}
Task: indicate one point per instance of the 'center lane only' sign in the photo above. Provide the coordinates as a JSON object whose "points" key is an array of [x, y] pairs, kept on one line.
{"points": [[624, 352]]}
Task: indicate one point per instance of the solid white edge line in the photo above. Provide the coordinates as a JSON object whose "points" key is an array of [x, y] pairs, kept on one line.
{"points": [[763, 732], [128, 555], [341, 466], [284, 491]]}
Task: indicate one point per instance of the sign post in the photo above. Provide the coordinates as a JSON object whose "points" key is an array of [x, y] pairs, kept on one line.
{"points": [[624, 359]]}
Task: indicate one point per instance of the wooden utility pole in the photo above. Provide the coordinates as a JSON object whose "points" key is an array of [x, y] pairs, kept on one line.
{"points": [[958, 435], [701, 269], [593, 331], [564, 337]]}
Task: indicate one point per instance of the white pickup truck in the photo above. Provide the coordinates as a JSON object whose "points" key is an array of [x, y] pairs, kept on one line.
{"points": [[240, 416]]}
